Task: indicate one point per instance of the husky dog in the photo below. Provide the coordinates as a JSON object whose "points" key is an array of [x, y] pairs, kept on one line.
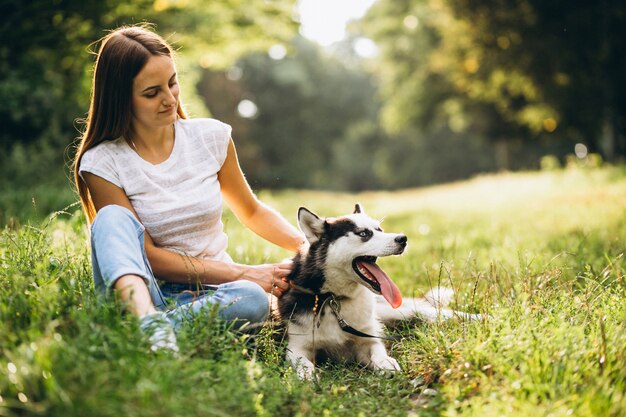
{"points": [[339, 295]]}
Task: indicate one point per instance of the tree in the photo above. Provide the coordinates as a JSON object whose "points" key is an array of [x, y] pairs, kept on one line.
{"points": [[44, 82], [569, 55], [45, 66], [307, 102], [526, 71]]}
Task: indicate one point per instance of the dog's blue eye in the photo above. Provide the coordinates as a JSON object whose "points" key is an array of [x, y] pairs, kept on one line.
{"points": [[364, 233]]}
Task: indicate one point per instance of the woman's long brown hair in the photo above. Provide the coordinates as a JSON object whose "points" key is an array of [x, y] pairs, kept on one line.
{"points": [[122, 54]]}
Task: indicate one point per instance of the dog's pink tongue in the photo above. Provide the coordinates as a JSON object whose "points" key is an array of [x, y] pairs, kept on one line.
{"points": [[387, 287]]}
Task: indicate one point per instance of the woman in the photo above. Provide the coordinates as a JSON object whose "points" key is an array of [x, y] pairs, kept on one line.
{"points": [[151, 183]]}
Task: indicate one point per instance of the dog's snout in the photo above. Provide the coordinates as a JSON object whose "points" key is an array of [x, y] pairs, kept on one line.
{"points": [[401, 239]]}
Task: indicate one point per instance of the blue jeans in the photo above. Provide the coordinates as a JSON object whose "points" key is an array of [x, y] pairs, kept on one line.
{"points": [[117, 249]]}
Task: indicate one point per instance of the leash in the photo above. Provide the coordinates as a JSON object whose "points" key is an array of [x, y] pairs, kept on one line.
{"points": [[336, 309]]}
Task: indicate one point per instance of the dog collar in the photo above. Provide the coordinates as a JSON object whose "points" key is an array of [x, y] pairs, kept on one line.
{"points": [[336, 308]]}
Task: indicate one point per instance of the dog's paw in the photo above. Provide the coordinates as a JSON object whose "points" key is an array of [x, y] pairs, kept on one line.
{"points": [[385, 364], [305, 373], [471, 317], [305, 370], [303, 366], [475, 317]]}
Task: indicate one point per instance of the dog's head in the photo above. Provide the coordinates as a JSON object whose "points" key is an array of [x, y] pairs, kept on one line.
{"points": [[354, 242]]}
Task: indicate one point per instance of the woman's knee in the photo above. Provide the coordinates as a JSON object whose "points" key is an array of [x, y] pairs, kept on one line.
{"points": [[250, 302], [117, 248]]}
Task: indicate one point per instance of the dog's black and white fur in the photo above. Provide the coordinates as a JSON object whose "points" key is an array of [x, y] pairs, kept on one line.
{"points": [[336, 287]]}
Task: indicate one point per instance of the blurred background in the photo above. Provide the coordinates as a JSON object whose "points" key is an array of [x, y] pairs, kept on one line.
{"points": [[334, 95]]}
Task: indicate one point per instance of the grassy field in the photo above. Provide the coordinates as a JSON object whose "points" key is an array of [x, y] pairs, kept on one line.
{"points": [[540, 253]]}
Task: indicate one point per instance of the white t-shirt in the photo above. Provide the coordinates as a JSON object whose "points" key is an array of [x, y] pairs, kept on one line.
{"points": [[179, 200]]}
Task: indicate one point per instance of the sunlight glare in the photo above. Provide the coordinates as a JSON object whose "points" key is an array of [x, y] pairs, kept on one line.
{"points": [[324, 21], [365, 48]]}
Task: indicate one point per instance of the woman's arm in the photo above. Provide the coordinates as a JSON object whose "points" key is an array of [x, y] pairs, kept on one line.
{"points": [[258, 217], [174, 267]]}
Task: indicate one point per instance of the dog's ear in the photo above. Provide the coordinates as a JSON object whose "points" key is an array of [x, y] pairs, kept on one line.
{"points": [[358, 209], [310, 224]]}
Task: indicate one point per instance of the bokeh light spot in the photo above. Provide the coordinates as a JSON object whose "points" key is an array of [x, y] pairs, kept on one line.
{"points": [[205, 61], [581, 151], [247, 109], [471, 65], [277, 52], [411, 22], [160, 5], [503, 42], [549, 125], [365, 48], [234, 73]]}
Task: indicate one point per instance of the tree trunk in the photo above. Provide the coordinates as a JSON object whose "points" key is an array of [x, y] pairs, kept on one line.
{"points": [[503, 154], [609, 136]]}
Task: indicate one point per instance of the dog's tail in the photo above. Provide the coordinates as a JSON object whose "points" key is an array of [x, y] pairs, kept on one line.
{"points": [[439, 297], [431, 307]]}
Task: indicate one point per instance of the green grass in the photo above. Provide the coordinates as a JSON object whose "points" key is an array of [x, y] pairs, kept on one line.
{"points": [[33, 203], [540, 253]]}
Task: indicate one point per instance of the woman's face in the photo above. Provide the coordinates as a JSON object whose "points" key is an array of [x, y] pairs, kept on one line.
{"points": [[155, 93]]}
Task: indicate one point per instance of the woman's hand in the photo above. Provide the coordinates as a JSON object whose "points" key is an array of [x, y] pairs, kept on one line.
{"points": [[271, 277]]}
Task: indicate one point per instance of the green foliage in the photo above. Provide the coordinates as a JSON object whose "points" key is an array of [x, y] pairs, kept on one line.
{"points": [[540, 253], [505, 71], [42, 85], [214, 34], [459, 88], [45, 68], [316, 122], [318, 126]]}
